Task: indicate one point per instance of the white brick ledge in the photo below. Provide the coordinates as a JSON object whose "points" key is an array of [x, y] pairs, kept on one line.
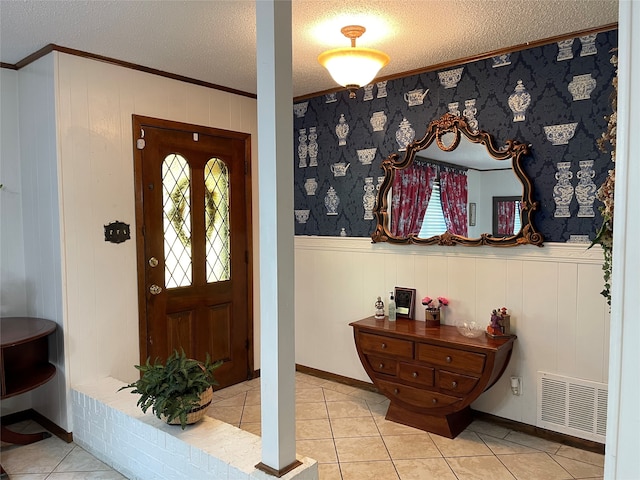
{"points": [[110, 426]]}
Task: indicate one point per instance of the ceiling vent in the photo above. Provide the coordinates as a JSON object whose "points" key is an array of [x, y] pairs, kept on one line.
{"points": [[573, 406]]}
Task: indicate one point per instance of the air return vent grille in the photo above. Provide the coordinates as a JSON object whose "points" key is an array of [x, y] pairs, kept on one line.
{"points": [[572, 406]]}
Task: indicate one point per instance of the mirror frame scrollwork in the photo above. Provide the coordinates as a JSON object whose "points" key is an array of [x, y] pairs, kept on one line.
{"points": [[449, 123]]}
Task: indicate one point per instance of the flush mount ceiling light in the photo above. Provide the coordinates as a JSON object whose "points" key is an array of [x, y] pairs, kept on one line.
{"points": [[353, 67]]}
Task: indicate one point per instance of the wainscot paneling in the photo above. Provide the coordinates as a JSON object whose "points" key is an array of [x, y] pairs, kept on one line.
{"points": [[552, 293]]}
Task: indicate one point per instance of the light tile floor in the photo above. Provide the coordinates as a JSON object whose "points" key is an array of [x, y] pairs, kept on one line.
{"points": [[344, 429]]}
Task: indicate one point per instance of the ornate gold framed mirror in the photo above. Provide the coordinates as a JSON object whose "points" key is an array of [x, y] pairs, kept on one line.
{"points": [[439, 192]]}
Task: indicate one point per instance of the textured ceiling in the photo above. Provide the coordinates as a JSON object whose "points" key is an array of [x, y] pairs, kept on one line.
{"points": [[214, 41]]}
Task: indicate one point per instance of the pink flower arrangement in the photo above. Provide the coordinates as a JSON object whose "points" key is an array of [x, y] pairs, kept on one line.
{"points": [[429, 302]]}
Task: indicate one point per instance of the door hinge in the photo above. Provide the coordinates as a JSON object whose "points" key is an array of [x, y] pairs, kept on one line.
{"points": [[246, 257], [246, 167], [247, 344]]}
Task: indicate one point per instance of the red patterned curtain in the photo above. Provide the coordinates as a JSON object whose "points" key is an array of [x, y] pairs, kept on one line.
{"points": [[410, 195], [506, 217], [453, 194]]}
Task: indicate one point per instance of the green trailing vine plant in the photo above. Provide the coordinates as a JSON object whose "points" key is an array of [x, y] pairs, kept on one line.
{"points": [[607, 142]]}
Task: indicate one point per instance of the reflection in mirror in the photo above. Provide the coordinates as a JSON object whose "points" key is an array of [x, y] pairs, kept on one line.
{"points": [[506, 216], [426, 195]]}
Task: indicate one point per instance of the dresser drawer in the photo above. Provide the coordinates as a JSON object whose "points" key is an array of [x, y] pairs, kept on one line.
{"points": [[384, 365], [451, 358], [455, 383], [395, 347], [416, 374], [417, 397]]}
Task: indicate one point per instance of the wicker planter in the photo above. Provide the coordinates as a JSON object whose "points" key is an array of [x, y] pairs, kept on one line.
{"points": [[197, 413]]}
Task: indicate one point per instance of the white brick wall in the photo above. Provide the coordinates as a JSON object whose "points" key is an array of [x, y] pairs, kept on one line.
{"points": [[109, 425]]}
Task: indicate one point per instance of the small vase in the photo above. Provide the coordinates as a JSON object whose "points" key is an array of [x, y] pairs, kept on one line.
{"points": [[432, 317]]}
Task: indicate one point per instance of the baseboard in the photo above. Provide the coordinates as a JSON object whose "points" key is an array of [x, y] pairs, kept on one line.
{"points": [[40, 419], [561, 438], [336, 378]]}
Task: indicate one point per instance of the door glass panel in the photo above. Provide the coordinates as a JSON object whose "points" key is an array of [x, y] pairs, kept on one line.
{"points": [[176, 207], [218, 254]]}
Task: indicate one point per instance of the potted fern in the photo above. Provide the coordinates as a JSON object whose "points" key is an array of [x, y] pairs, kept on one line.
{"points": [[178, 390]]}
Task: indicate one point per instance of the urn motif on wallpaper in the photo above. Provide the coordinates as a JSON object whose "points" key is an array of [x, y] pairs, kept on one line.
{"points": [[368, 92], [586, 189], [581, 87], [519, 101], [588, 45], [302, 148], [405, 134], [382, 89], [453, 108], [469, 113], [342, 130], [369, 198], [312, 147], [310, 186], [378, 121], [331, 201], [563, 190], [565, 50]]}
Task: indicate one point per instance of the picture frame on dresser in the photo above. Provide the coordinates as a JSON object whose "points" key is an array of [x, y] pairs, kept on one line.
{"points": [[405, 302]]}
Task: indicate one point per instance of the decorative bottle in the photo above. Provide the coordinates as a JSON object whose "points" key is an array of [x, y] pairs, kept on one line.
{"points": [[392, 308]]}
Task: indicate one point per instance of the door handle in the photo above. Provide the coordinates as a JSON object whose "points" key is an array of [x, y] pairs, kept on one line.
{"points": [[153, 262], [155, 289]]}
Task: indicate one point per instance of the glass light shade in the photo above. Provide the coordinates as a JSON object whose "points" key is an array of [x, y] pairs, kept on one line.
{"points": [[353, 66]]}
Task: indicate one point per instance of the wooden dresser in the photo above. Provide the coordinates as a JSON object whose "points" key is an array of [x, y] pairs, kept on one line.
{"points": [[431, 375]]}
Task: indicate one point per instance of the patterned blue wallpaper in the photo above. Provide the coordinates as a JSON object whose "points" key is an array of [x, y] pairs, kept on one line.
{"points": [[563, 86]]}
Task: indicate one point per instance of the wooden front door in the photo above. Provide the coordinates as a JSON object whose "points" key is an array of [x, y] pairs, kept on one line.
{"points": [[193, 210]]}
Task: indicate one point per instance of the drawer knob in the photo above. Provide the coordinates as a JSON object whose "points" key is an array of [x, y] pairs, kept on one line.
{"points": [[396, 391], [454, 384], [384, 345], [415, 375], [381, 365], [448, 359], [434, 400]]}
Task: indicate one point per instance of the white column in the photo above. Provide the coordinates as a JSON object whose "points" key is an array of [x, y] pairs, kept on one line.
{"points": [[275, 170], [623, 417]]}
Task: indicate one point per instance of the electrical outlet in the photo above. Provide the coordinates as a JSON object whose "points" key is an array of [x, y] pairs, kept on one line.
{"points": [[516, 385]]}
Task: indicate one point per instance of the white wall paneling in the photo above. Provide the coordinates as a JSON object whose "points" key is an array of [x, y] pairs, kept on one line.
{"points": [[96, 102], [13, 287], [13, 300], [552, 293], [42, 236]]}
